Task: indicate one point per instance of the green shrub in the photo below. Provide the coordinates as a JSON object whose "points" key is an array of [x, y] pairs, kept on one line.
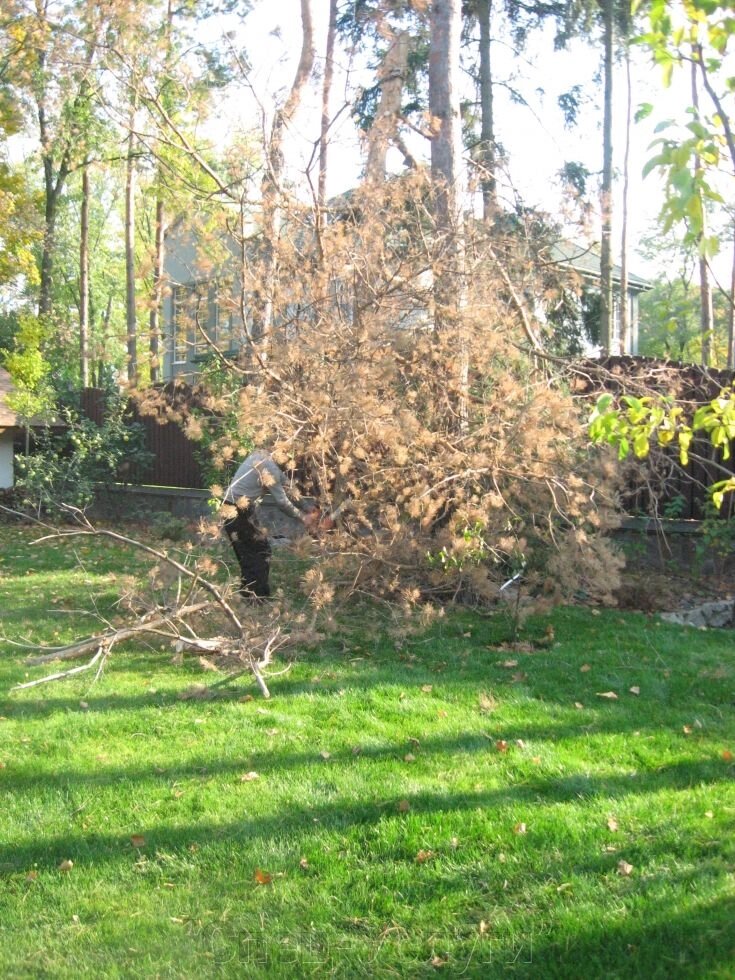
{"points": [[66, 467]]}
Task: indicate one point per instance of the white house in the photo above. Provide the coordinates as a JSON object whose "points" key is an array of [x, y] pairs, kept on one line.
{"points": [[201, 300], [8, 430], [585, 262]]}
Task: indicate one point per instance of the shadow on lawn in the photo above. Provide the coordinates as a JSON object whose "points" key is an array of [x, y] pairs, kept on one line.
{"points": [[339, 815], [479, 742], [697, 940]]}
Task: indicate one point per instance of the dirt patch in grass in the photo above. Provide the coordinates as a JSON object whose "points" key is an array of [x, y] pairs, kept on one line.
{"points": [[648, 590]]}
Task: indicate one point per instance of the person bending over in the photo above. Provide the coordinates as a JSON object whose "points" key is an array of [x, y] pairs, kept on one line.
{"points": [[257, 476]]}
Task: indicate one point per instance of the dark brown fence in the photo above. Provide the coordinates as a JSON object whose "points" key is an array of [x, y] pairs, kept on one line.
{"points": [[662, 489], [661, 486], [173, 463]]}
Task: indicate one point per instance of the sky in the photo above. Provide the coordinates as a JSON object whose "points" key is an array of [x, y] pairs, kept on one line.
{"points": [[534, 136]]}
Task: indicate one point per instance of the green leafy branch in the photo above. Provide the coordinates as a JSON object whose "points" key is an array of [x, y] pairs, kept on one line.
{"points": [[635, 424]]}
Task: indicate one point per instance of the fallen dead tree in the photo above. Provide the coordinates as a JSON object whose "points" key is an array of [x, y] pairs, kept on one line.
{"points": [[193, 614]]}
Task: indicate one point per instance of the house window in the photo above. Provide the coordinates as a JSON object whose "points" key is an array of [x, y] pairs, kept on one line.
{"points": [[189, 310], [223, 317]]}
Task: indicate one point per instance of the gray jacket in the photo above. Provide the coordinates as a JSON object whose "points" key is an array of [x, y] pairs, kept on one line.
{"points": [[257, 476]]}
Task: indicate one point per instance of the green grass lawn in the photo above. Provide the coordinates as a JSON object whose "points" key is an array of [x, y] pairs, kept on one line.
{"points": [[429, 810]]}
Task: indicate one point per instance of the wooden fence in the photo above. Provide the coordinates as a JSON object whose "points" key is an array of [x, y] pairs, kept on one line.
{"points": [[662, 488], [174, 462]]}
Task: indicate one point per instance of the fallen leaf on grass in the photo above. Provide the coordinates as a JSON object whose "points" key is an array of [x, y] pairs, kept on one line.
{"points": [[427, 688], [403, 806], [66, 865], [325, 755], [483, 927], [578, 705], [137, 840], [585, 668], [424, 856], [32, 876], [508, 664], [709, 814], [612, 824], [248, 777], [727, 755], [409, 757], [610, 695], [245, 698], [520, 743], [687, 729], [625, 869], [195, 692], [304, 864], [519, 677], [635, 690], [487, 702], [501, 745], [262, 877], [520, 828], [84, 705], [439, 961]]}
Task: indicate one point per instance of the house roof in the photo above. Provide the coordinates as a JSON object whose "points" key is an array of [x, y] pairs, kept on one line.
{"points": [[8, 418], [585, 259]]}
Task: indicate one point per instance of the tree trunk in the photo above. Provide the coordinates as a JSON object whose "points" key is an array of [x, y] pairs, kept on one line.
{"points": [[326, 92], [706, 311], [606, 205], [130, 312], [52, 193], [271, 189], [626, 339], [486, 151], [84, 281], [105, 336], [154, 319], [157, 293], [385, 128], [446, 155], [446, 171], [731, 316]]}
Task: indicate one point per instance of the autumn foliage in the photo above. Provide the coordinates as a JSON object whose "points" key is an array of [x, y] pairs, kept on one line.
{"points": [[454, 456]]}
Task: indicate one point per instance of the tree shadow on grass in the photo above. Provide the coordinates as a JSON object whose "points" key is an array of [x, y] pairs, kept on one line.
{"points": [[696, 941], [339, 815]]}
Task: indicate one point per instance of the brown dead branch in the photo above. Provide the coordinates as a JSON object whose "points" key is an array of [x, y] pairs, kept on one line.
{"points": [[250, 641]]}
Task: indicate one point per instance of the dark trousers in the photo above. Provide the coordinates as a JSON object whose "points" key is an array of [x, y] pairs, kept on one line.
{"points": [[250, 543]]}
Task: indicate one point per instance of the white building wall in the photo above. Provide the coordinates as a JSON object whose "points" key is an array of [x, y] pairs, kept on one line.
{"points": [[6, 458]]}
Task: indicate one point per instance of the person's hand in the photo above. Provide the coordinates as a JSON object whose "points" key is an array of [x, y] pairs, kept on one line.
{"points": [[311, 520]]}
